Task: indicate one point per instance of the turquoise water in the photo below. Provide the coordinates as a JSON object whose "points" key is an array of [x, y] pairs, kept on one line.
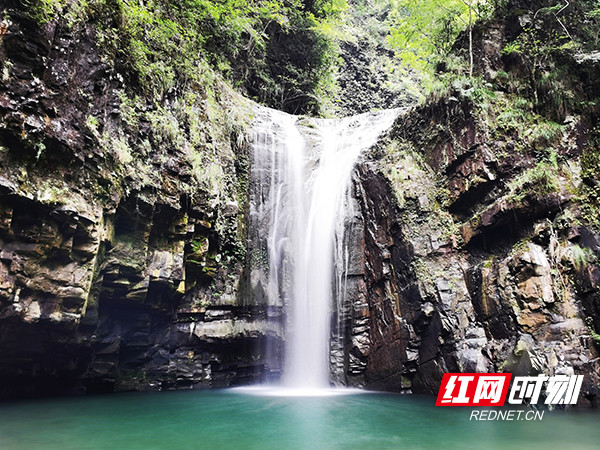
{"points": [[228, 419]]}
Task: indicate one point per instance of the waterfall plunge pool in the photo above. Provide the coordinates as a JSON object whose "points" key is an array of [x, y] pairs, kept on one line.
{"points": [[235, 419]]}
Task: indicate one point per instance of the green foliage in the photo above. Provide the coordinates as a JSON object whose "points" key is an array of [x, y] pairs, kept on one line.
{"points": [[282, 53], [556, 96], [92, 123], [590, 174], [424, 32], [545, 133], [71, 12], [586, 21], [300, 58], [512, 118], [512, 47], [552, 32], [424, 29], [451, 85], [199, 246], [198, 251], [42, 11], [580, 257], [121, 150], [589, 321], [540, 181], [514, 115], [128, 110], [432, 39]]}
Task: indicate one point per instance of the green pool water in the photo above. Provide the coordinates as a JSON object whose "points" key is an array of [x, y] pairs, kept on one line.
{"points": [[230, 419]]}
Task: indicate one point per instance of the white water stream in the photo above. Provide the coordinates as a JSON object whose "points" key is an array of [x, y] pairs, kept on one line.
{"points": [[303, 171]]}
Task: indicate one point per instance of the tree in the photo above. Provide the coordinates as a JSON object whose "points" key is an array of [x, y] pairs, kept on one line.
{"points": [[424, 31]]}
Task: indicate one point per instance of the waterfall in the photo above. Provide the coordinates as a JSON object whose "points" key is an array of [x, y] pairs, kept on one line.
{"points": [[301, 172]]}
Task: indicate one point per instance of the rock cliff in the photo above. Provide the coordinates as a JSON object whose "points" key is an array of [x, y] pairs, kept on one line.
{"points": [[477, 253], [123, 230]]}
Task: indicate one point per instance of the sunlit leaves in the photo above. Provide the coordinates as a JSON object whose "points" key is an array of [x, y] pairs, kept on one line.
{"points": [[424, 30]]}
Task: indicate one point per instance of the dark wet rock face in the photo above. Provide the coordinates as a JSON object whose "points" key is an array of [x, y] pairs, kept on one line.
{"points": [[363, 82], [106, 302], [120, 260], [488, 281]]}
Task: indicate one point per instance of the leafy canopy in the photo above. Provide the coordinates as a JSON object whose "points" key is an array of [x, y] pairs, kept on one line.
{"points": [[280, 52], [423, 32]]}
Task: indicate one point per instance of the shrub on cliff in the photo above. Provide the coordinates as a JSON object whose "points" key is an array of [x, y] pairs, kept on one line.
{"points": [[280, 53]]}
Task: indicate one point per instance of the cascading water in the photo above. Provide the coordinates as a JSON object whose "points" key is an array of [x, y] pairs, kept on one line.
{"points": [[302, 171]]}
